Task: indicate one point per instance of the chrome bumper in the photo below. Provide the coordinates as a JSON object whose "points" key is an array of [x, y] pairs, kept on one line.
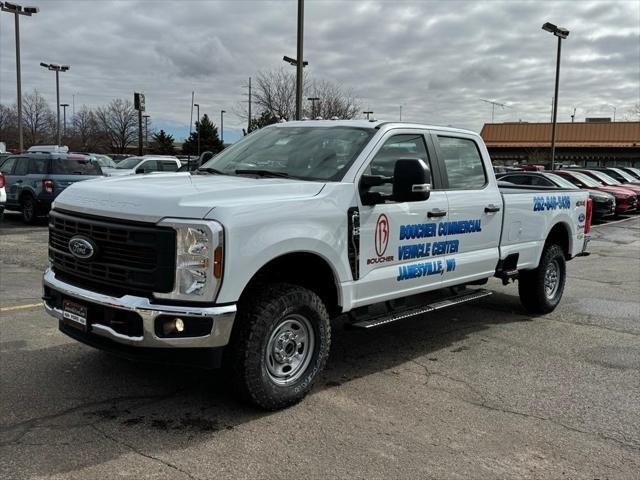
{"points": [[222, 316]]}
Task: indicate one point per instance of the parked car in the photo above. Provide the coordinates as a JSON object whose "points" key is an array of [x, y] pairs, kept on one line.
{"points": [[610, 181], [504, 169], [249, 258], [34, 180], [626, 200], [618, 174], [144, 164], [635, 172], [604, 204], [3, 195], [105, 161]]}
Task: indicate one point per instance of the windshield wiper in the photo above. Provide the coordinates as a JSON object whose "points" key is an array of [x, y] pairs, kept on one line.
{"points": [[211, 170], [264, 173]]}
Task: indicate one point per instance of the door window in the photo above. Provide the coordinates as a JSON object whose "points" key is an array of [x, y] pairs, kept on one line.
{"points": [[22, 166], [148, 166], [541, 182], [463, 163], [395, 148], [37, 166], [7, 166], [168, 166], [517, 179]]}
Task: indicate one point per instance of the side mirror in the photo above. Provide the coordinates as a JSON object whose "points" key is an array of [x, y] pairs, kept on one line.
{"points": [[411, 180]]}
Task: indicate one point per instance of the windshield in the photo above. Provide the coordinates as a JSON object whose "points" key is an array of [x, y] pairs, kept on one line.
{"points": [[63, 166], [561, 182], [129, 163], [624, 175], [310, 153], [606, 179], [105, 161], [586, 179]]}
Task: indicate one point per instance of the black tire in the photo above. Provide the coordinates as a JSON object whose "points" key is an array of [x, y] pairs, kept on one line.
{"points": [[29, 209], [261, 317], [536, 295]]}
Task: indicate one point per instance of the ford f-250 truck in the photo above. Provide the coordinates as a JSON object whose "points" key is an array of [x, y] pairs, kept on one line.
{"points": [[244, 262]]}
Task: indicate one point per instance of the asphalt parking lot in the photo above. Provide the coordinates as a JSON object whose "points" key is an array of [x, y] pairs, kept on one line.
{"points": [[479, 391]]}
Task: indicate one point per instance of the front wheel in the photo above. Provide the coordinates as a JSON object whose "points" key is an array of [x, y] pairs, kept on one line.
{"points": [[279, 346], [541, 289]]}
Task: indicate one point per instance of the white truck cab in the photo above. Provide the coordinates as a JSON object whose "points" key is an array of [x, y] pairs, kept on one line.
{"points": [[245, 261]]}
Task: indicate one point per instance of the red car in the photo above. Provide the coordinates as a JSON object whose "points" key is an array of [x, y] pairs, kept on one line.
{"points": [[626, 199], [608, 180]]}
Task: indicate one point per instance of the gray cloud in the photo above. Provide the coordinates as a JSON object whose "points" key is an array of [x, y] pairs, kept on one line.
{"points": [[436, 59]]}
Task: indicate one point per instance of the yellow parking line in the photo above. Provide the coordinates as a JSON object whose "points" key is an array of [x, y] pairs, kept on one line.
{"points": [[20, 307]]}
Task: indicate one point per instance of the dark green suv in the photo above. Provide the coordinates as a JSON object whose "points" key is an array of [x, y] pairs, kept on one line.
{"points": [[34, 180]]}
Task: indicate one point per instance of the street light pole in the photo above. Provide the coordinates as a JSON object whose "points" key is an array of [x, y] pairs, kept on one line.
{"points": [[561, 33], [64, 119], [56, 68], [18, 10], [300, 64], [197, 105], [222, 112]]}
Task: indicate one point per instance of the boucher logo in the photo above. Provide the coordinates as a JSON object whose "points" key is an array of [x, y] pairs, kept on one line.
{"points": [[82, 248], [382, 235]]}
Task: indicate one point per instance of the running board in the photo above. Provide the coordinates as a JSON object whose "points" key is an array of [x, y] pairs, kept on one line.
{"points": [[463, 297]]}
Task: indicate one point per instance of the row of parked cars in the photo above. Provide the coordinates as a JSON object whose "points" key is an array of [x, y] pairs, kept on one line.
{"points": [[613, 190], [29, 182]]}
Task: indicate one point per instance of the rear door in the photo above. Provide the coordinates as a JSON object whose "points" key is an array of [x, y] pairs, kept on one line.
{"points": [[474, 222], [16, 179], [400, 252]]}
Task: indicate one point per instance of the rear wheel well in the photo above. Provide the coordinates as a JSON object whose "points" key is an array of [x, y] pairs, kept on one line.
{"points": [[559, 235], [304, 269]]}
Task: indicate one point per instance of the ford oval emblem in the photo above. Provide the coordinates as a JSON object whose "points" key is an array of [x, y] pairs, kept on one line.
{"points": [[82, 248], [581, 217]]}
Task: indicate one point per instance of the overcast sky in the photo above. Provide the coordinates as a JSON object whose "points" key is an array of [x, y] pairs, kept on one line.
{"points": [[435, 58]]}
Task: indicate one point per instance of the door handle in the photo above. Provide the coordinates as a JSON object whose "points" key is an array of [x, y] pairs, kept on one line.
{"points": [[491, 208], [436, 213]]}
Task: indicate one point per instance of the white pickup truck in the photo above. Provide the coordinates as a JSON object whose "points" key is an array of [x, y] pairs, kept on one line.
{"points": [[244, 262]]}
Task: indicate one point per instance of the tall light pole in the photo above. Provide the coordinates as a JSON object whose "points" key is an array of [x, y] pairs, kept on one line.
{"points": [[561, 33], [313, 101], [294, 62], [222, 112], [614, 112], [64, 118], [146, 130], [56, 68], [400, 112], [18, 10], [367, 113], [197, 105]]}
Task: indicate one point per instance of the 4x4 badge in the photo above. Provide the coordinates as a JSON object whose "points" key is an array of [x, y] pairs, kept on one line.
{"points": [[82, 248]]}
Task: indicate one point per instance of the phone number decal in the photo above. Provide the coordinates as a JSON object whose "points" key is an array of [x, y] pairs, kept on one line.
{"points": [[551, 202]]}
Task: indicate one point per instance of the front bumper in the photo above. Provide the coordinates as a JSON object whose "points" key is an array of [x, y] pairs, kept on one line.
{"points": [[98, 326]]}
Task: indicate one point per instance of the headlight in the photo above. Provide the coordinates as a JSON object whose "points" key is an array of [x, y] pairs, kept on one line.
{"points": [[199, 256]]}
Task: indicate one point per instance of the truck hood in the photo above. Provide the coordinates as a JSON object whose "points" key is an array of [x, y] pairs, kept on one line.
{"points": [[152, 197]]}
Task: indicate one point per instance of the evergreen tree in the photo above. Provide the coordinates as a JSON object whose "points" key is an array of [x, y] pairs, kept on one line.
{"points": [[163, 143], [265, 118], [209, 140]]}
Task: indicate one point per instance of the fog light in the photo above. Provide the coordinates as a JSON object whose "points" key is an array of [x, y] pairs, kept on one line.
{"points": [[174, 325]]}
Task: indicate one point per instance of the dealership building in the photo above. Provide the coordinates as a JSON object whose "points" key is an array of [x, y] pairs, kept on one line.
{"points": [[582, 143]]}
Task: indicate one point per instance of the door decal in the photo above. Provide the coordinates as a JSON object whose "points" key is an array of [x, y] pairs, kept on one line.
{"points": [[382, 235]]}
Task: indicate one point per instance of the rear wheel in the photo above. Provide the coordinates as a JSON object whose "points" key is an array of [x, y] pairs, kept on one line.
{"points": [[279, 346], [541, 289], [29, 209]]}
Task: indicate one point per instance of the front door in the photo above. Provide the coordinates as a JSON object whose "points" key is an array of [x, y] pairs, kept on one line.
{"points": [[400, 252]]}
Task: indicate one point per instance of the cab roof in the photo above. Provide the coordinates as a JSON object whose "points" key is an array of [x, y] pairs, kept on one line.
{"points": [[371, 124]]}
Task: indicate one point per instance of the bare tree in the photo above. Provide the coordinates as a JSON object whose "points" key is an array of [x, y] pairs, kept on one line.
{"points": [[85, 132], [9, 125], [118, 123], [37, 118], [332, 102], [274, 95]]}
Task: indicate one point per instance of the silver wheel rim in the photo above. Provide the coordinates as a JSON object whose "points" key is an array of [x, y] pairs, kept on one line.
{"points": [[289, 349], [552, 279]]}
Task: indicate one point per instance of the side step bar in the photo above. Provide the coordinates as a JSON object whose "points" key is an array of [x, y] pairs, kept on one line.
{"points": [[462, 297]]}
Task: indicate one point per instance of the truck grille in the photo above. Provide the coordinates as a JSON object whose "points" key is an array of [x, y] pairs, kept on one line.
{"points": [[130, 257]]}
